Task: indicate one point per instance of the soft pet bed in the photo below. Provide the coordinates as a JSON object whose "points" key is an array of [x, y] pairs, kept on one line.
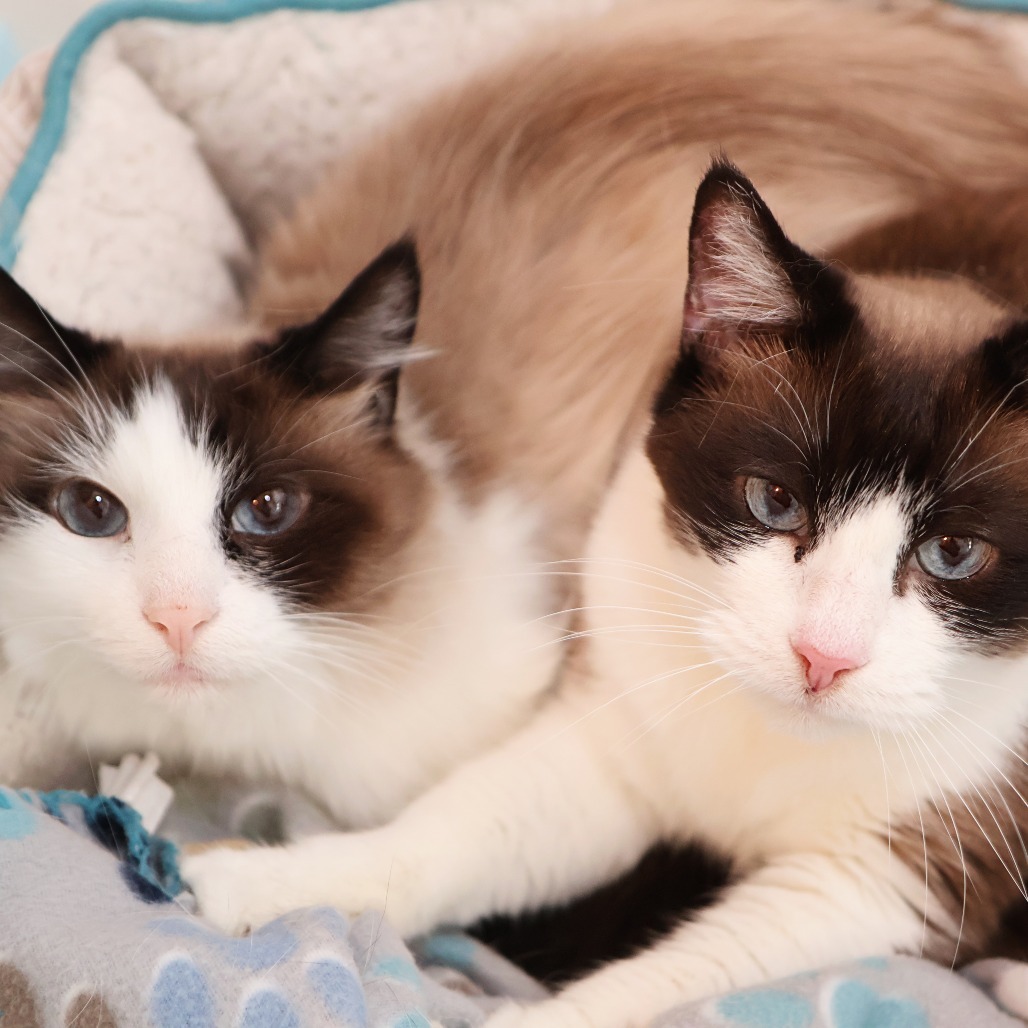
{"points": [[95, 933], [137, 165]]}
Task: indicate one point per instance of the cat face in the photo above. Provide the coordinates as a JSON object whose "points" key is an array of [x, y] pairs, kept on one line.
{"points": [[183, 521], [848, 454]]}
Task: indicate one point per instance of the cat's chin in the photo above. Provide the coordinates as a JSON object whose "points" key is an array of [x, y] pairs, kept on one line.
{"points": [[181, 680], [804, 719], [810, 717], [825, 717]]}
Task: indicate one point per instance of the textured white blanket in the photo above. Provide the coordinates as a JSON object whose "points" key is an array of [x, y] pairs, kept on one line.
{"points": [[188, 130]]}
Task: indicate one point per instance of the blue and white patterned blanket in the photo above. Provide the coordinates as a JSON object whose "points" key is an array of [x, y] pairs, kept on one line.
{"points": [[95, 933]]}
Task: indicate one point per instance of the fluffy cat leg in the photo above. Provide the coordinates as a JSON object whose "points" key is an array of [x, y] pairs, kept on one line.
{"points": [[538, 820], [796, 914]]}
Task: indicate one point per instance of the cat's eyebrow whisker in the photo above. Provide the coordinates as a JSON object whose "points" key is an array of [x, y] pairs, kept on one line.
{"points": [[10, 401], [950, 461], [85, 380], [725, 402], [991, 458], [765, 364], [85, 413], [995, 469], [87, 407], [831, 398], [322, 438]]}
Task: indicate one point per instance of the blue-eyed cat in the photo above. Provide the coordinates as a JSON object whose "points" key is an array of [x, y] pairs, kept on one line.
{"points": [[805, 647]]}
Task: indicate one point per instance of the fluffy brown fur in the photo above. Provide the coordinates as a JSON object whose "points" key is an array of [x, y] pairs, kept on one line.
{"points": [[551, 202]]}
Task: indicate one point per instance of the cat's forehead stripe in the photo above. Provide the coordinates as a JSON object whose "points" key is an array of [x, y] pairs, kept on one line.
{"points": [[153, 465]]}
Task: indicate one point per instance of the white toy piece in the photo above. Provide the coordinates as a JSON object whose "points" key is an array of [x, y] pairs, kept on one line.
{"points": [[135, 782]]}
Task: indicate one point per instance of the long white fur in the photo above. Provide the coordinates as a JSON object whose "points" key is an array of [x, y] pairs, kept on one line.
{"points": [[363, 718], [689, 720]]}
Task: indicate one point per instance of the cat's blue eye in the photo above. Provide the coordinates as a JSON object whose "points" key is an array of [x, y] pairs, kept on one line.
{"points": [[953, 556], [86, 508], [774, 506], [268, 512]]}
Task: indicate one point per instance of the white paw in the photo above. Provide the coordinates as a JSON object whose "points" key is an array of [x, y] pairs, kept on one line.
{"points": [[239, 890], [550, 1013]]}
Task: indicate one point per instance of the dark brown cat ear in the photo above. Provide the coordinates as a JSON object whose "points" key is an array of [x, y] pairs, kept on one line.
{"points": [[745, 275], [364, 337], [36, 350], [748, 280]]}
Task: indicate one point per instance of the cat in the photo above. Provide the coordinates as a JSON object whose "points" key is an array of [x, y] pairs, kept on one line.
{"points": [[805, 648], [251, 556], [563, 170], [551, 202], [981, 237]]}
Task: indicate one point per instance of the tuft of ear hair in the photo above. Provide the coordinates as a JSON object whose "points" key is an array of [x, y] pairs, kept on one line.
{"points": [[748, 279], [36, 350], [742, 266], [364, 337]]}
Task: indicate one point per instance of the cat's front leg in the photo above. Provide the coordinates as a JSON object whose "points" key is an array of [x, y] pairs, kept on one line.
{"points": [[794, 915], [539, 820], [241, 889]]}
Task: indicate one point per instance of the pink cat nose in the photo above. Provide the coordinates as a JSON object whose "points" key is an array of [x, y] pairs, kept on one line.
{"points": [[179, 624], [823, 669]]}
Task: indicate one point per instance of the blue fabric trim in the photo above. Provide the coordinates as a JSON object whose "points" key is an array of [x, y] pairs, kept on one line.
{"points": [[57, 93], [1020, 6], [152, 862]]}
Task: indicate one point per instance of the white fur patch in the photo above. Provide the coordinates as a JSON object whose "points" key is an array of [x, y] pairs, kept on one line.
{"points": [[361, 716]]}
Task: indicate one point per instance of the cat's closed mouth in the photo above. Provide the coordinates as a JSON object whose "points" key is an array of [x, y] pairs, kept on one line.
{"points": [[182, 676]]}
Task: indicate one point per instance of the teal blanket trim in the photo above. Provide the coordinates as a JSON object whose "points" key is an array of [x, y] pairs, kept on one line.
{"points": [[57, 93], [1015, 6], [151, 861]]}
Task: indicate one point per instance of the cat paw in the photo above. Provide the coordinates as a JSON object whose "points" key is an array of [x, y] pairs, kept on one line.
{"points": [[239, 890], [550, 1013]]}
